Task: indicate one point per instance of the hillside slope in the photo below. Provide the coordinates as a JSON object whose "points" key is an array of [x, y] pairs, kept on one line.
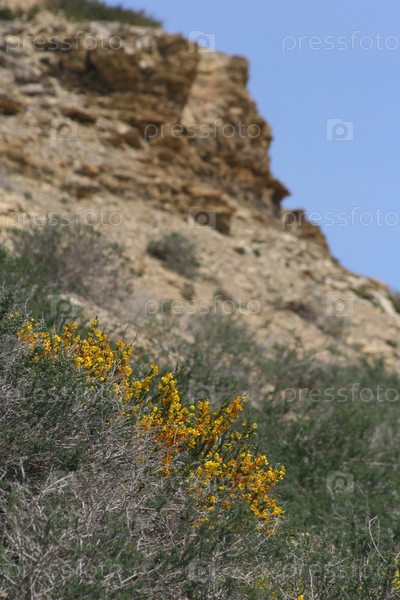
{"points": [[137, 131]]}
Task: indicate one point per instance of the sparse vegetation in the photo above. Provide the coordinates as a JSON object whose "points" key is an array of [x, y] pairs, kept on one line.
{"points": [[363, 293], [95, 10], [67, 257], [87, 10], [6, 14], [156, 472], [335, 427], [17, 273], [112, 485], [177, 252], [118, 482], [395, 298]]}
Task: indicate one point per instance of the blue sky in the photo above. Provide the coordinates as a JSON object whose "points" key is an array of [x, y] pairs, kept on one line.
{"points": [[325, 75]]}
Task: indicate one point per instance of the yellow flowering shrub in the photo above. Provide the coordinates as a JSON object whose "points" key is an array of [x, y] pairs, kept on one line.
{"points": [[396, 578], [93, 354], [209, 446], [222, 466]]}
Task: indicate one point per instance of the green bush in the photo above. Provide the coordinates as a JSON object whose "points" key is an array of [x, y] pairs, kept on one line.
{"points": [[86, 10], [71, 473], [177, 252], [85, 510], [95, 10], [27, 280], [335, 426], [6, 14], [70, 257]]}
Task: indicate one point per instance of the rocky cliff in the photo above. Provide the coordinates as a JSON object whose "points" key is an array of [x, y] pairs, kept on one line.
{"points": [[149, 135]]}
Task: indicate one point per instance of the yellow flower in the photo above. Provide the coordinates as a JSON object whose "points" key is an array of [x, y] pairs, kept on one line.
{"points": [[198, 439]]}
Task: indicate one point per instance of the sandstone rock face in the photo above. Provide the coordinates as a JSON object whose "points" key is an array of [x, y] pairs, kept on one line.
{"points": [[21, 4], [176, 113], [141, 127]]}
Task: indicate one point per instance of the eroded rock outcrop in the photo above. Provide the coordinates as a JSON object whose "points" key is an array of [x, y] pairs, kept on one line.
{"points": [[139, 126], [181, 115]]}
